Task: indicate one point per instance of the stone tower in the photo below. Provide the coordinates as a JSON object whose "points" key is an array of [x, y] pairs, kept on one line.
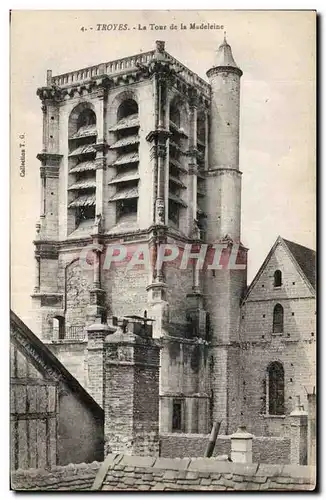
{"points": [[142, 152], [224, 288]]}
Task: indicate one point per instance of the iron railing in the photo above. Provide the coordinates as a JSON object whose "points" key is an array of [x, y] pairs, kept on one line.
{"points": [[73, 332]]}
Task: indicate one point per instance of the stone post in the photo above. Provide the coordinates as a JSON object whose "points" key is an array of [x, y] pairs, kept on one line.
{"points": [[241, 446], [131, 393], [299, 424], [95, 359]]}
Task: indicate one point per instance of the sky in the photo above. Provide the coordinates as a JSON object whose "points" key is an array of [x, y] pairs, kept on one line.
{"points": [[275, 50]]}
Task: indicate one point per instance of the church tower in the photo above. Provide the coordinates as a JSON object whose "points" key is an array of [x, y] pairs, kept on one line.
{"points": [[141, 152], [224, 288]]}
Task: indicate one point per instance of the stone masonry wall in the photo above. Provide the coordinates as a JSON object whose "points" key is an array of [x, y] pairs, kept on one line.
{"points": [[295, 348], [299, 372], [73, 355], [264, 449], [180, 283], [132, 473], [131, 401]]}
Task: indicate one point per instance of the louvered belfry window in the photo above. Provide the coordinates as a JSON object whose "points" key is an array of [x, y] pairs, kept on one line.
{"points": [[126, 145], [176, 168], [82, 166], [201, 148]]}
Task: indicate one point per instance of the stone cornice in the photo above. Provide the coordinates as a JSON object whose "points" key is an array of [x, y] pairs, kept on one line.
{"points": [[46, 249], [149, 234], [198, 395], [220, 171], [158, 135], [223, 69], [162, 67], [55, 94], [52, 295], [52, 94], [49, 159]]}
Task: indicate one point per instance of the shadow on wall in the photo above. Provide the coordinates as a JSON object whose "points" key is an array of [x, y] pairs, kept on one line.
{"points": [[80, 432]]}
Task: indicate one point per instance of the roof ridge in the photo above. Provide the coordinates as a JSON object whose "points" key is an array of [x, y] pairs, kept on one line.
{"points": [[305, 259], [298, 244]]}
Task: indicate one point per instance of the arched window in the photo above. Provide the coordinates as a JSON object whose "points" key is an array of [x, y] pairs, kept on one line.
{"points": [[275, 375], [127, 108], [82, 117], [278, 278], [86, 118], [278, 319]]}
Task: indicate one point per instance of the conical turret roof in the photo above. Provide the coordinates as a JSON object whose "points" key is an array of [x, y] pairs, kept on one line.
{"points": [[224, 57]]}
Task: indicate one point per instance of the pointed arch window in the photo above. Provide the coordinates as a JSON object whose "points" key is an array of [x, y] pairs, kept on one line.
{"points": [[275, 376], [278, 278], [278, 319]]}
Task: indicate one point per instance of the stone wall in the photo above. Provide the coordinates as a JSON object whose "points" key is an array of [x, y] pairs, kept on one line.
{"points": [[180, 283], [131, 394], [132, 473], [73, 355], [185, 375], [295, 348], [298, 359], [80, 431], [265, 450]]}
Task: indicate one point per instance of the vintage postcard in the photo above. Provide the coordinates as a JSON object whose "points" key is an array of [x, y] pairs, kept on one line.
{"points": [[163, 286]]}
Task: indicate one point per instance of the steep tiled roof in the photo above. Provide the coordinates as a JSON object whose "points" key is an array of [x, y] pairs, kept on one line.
{"points": [[134, 473], [306, 258]]}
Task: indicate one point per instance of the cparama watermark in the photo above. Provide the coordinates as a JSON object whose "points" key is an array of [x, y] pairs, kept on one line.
{"points": [[205, 257]]}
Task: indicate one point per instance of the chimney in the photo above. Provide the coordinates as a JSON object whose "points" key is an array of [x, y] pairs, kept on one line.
{"points": [[131, 393], [97, 334]]}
